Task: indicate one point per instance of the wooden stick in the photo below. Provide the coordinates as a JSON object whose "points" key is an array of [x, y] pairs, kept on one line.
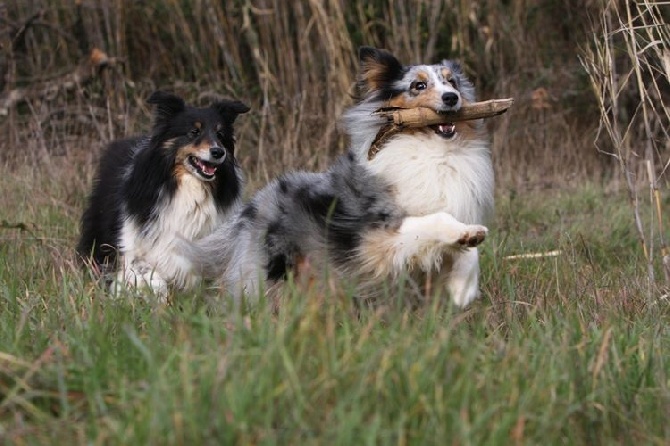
{"points": [[422, 116]]}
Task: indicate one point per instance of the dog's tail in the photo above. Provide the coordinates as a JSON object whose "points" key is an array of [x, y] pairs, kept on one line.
{"points": [[208, 256]]}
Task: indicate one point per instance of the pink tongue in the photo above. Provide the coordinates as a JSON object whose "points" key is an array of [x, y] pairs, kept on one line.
{"points": [[208, 170]]}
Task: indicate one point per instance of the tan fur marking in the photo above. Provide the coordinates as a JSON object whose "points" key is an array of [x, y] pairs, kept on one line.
{"points": [[197, 125], [426, 98], [376, 251], [183, 153], [167, 145], [191, 149], [180, 172], [376, 254], [446, 74], [372, 74]]}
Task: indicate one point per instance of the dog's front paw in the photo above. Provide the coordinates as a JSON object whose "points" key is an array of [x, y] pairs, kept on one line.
{"points": [[472, 236], [139, 276]]}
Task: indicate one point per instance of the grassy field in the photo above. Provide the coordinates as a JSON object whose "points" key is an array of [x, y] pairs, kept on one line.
{"points": [[569, 349]]}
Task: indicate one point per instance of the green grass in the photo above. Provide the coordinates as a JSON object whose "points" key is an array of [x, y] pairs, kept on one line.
{"points": [[560, 350]]}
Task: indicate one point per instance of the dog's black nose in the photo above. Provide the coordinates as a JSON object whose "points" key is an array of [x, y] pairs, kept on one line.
{"points": [[217, 152], [450, 99]]}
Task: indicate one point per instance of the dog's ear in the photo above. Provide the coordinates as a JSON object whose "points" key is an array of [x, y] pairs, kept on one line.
{"points": [[229, 109], [378, 69], [167, 104]]}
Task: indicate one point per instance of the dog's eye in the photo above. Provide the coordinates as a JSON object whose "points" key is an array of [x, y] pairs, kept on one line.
{"points": [[220, 135], [418, 85], [452, 81], [194, 133]]}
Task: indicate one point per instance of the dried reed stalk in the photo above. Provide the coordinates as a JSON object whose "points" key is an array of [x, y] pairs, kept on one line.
{"points": [[422, 116], [640, 30]]}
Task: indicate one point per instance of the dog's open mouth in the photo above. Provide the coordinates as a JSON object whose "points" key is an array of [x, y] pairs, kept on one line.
{"points": [[447, 130], [204, 168]]}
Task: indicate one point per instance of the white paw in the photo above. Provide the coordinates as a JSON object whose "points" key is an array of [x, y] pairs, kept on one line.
{"points": [[462, 296], [472, 236], [457, 234], [142, 279]]}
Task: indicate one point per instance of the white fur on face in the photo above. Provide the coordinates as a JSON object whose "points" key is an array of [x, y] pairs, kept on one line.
{"points": [[437, 80]]}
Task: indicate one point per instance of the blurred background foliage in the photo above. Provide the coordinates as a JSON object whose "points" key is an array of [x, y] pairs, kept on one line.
{"points": [[76, 73]]}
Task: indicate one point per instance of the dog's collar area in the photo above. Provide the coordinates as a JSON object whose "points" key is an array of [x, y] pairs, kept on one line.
{"points": [[383, 135]]}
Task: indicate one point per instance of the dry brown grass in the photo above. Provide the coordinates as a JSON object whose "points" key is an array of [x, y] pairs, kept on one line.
{"points": [[629, 68], [294, 63]]}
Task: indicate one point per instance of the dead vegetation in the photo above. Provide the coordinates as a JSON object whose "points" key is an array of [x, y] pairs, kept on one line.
{"points": [[629, 68], [295, 63]]}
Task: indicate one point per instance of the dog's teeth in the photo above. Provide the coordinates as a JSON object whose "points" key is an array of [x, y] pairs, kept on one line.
{"points": [[209, 170]]}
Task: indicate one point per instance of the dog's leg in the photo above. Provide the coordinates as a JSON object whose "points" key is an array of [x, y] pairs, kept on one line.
{"points": [[137, 274], [462, 280], [463, 277], [419, 241], [423, 242], [440, 228]]}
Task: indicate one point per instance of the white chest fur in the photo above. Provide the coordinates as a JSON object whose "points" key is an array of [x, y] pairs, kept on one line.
{"points": [[191, 213], [431, 174]]}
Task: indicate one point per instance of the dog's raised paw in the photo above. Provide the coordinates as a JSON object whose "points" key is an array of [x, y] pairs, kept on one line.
{"points": [[473, 236]]}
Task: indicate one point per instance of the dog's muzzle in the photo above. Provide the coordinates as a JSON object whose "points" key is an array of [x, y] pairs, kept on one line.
{"points": [[206, 167]]}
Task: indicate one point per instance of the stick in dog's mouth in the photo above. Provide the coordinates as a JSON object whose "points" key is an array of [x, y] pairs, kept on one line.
{"points": [[442, 123], [422, 116]]}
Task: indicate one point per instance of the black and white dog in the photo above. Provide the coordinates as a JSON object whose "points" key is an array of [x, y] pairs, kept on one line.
{"points": [[182, 179], [417, 207]]}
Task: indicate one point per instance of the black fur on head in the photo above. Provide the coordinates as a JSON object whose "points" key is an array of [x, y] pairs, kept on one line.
{"points": [[229, 110], [173, 118], [167, 105], [182, 139]]}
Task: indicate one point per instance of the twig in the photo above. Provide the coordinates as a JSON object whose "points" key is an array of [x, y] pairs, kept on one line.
{"points": [[422, 116], [81, 75], [534, 255], [18, 40], [4, 224], [400, 119]]}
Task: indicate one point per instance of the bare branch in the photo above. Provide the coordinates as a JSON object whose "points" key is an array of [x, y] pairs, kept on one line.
{"points": [[81, 75], [422, 116]]}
